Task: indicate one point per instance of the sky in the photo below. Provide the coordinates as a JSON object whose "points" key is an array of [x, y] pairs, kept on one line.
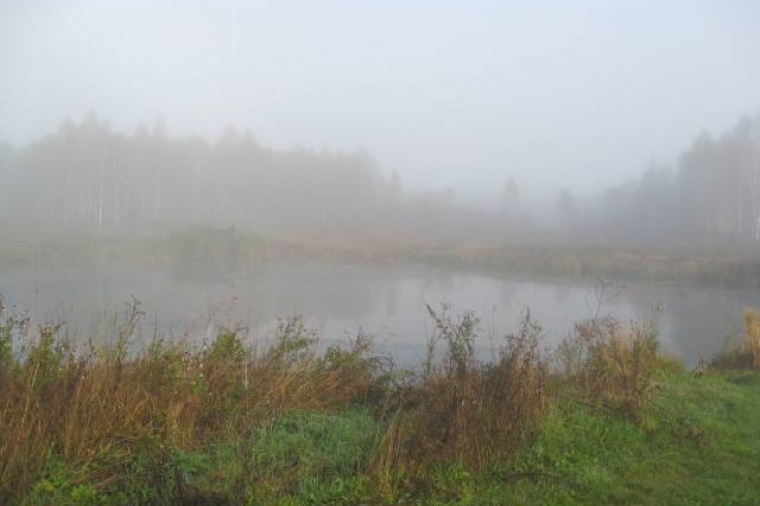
{"points": [[575, 94]]}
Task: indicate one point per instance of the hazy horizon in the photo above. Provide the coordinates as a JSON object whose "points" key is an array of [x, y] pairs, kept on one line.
{"points": [[580, 95]]}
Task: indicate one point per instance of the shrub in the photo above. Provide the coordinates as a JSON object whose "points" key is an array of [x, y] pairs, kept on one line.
{"points": [[463, 411], [752, 334], [742, 352], [612, 364], [123, 421]]}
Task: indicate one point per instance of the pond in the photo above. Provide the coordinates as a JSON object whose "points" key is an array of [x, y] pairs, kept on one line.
{"points": [[388, 302]]}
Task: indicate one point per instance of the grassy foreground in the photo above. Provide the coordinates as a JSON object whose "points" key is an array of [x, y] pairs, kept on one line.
{"points": [[700, 445], [605, 419]]}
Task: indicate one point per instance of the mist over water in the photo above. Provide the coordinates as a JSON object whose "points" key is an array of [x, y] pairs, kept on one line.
{"points": [[172, 152], [395, 252], [338, 301]]}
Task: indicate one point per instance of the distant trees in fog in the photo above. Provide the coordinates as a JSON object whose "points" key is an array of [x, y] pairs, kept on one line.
{"points": [[87, 177], [713, 194]]}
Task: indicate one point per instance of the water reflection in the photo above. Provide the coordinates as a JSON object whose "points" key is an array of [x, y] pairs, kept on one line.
{"points": [[389, 302]]}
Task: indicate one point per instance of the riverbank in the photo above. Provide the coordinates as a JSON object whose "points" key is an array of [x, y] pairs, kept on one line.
{"points": [[227, 252], [703, 450], [536, 257], [605, 419]]}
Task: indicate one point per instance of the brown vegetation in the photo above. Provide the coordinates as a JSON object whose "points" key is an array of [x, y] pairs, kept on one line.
{"points": [[122, 418], [464, 411], [99, 410], [742, 352], [612, 364]]}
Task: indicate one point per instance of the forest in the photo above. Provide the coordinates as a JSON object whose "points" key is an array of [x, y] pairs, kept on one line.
{"points": [[86, 177]]}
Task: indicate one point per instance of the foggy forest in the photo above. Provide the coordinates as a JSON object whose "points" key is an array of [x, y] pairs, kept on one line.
{"points": [[379, 253], [87, 178]]}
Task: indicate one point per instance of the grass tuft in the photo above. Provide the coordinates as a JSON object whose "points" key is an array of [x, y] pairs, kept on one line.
{"points": [[611, 364], [742, 352], [464, 412]]}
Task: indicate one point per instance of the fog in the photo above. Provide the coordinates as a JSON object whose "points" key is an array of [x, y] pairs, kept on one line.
{"points": [[219, 127], [361, 252], [450, 95], [86, 177]]}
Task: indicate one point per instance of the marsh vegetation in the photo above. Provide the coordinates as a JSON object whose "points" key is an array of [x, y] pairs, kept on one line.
{"points": [[241, 422]]}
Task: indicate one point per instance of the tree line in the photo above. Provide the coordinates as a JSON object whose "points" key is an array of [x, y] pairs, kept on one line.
{"points": [[86, 176], [712, 194]]}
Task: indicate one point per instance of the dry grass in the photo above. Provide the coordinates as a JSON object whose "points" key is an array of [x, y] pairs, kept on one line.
{"points": [[742, 352], [123, 419], [98, 410], [612, 364], [752, 334], [462, 411]]}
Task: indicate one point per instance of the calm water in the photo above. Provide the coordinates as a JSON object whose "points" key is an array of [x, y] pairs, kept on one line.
{"points": [[388, 302]]}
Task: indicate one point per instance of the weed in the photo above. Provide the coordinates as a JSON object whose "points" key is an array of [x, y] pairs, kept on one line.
{"points": [[468, 412], [128, 421], [459, 337], [230, 423], [303, 452], [742, 352], [612, 364]]}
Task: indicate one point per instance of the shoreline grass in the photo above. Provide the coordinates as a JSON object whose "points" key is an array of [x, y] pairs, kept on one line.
{"points": [[228, 252], [605, 419]]}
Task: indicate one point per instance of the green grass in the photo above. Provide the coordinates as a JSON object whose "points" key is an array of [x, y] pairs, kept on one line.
{"points": [[234, 424], [309, 457], [699, 445]]}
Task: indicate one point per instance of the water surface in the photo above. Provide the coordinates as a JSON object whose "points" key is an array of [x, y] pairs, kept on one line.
{"points": [[389, 302]]}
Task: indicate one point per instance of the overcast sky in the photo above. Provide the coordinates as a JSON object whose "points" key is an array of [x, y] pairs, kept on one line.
{"points": [[464, 94]]}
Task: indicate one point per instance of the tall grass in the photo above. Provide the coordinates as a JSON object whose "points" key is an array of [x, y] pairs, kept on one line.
{"points": [[119, 417], [463, 411], [612, 364], [742, 352], [231, 423]]}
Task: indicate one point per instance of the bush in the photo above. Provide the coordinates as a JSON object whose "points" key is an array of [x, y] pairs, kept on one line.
{"points": [[463, 411], [120, 421], [612, 364], [742, 352]]}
